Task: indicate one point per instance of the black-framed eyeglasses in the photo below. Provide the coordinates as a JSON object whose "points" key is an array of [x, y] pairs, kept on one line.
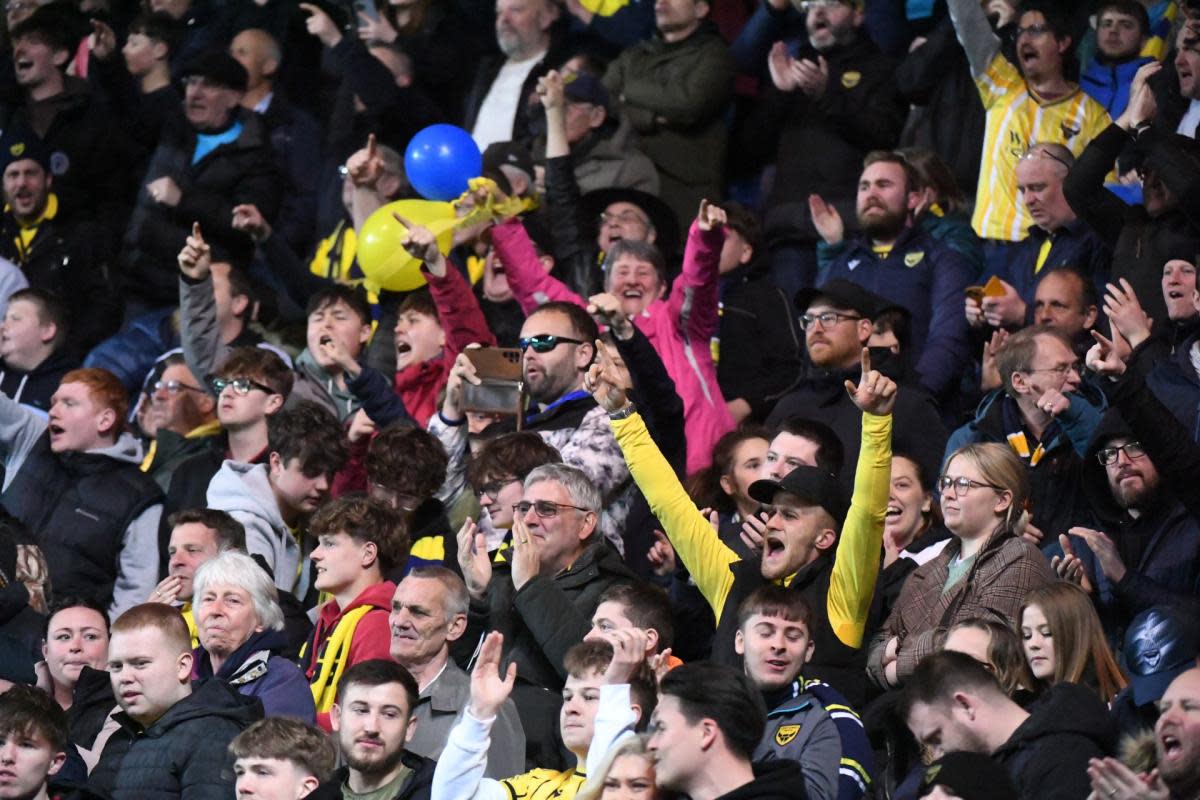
{"points": [[241, 386], [545, 342], [1109, 455], [175, 387], [962, 485], [827, 319], [493, 488], [1061, 369], [545, 509]]}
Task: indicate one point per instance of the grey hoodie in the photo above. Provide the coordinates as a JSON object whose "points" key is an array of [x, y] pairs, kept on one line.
{"points": [[244, 491], [137, 570]]}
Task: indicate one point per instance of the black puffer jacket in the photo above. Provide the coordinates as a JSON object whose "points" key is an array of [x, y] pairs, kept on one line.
{"points": [[1047, 756], [183, 754], [242, 171]]}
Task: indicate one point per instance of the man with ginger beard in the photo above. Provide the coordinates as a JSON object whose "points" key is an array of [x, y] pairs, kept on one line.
{"points": [[902, 264]]}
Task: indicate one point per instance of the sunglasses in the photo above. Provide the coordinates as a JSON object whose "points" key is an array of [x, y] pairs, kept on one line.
{"points": [[545, 342]]}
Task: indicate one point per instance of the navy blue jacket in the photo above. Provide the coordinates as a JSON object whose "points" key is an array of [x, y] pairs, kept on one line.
{"points": [[1175, 383], [927, 278], [1076, 246]]}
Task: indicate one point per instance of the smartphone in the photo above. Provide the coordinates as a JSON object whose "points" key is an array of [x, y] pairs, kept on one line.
{"points": [[501, 389]]}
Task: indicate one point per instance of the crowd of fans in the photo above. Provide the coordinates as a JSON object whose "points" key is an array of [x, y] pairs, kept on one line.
{"points": [[805, 402]]}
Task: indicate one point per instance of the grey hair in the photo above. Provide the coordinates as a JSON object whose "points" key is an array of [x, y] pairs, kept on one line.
{"points": [[242, 571], [578, 485], [640, 251], [457, 599]]}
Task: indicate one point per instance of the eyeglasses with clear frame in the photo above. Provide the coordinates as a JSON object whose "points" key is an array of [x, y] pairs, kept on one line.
{"points": [[545, 509], [962, 484]]}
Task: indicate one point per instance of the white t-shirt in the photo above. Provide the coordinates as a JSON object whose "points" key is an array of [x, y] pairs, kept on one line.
{"points": [[499, 109], [1190, 121]]}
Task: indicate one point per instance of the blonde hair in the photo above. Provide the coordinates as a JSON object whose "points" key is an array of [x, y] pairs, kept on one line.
{"points": [[1081, 653], [631, 744], [1000, 467]]}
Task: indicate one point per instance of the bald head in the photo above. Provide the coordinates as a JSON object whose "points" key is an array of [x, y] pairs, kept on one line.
{"points": [[259, 53], [1177, 735]]}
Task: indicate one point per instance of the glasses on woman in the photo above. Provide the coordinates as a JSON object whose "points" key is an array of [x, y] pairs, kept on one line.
{"points": [[962, 485], [545, 509], [1109, 455], [241, 386]]}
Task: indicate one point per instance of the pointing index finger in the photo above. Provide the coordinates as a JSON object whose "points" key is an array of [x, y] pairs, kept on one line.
{"points": [[866, 361], [196, 231], [371, 146], [408, 225]]}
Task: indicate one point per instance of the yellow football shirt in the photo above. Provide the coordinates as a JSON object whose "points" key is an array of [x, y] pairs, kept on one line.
{"points": [[544, 784], [1016, 119]]}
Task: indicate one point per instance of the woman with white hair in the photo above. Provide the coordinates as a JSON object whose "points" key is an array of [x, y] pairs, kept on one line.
{"points": [[240, 626]]}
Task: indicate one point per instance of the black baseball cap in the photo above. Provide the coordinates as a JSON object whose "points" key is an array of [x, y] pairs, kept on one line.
{"points": [[842, 294], [811, 484]]}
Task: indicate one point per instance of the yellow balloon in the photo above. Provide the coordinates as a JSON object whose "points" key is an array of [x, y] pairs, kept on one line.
{"points": [[384, 261]]}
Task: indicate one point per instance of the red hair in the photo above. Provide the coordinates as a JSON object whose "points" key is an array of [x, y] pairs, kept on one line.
{"points": [[105, 390]]}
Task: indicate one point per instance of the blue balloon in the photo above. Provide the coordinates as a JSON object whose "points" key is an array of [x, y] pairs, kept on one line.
{"points": [[440, 160]]}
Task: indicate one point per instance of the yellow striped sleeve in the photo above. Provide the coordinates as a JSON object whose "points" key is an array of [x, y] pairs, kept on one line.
{"points": [[856, 565], [698, 545]]}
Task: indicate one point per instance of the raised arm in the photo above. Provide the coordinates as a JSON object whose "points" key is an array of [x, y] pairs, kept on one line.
{"points": [[199, 334], [460, 768], [530, 284], [707, 558], [856, 564], [693, 302], [975, 34], [20, 427]]}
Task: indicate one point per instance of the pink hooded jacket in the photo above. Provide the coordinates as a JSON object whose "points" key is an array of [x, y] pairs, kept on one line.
{"points": [[679, 327]]}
